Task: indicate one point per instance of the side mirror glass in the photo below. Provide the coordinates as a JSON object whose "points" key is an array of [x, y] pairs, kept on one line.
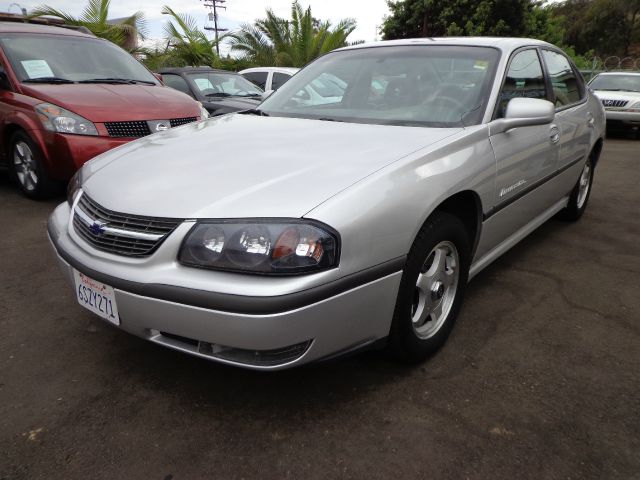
{"points": [[523, 112], [266, 94]]}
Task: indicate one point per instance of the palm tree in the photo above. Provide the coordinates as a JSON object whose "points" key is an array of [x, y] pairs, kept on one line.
{"points": [[290, 43], [95, 17], [186, 43]]}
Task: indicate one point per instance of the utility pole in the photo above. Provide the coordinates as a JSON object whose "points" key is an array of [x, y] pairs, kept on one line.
{"points": [[213, 6]]}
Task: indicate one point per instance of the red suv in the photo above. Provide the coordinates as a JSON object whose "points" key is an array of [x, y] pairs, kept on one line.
{"points": [[66, 96]]}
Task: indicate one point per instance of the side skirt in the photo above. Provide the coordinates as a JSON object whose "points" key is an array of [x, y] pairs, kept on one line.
{"points": [[509, 242]]}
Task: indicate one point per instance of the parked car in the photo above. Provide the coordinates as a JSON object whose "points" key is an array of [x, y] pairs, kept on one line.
{"points": [[620, 95], [317, 230], [269, 78], [219, 91], [66, 97]]}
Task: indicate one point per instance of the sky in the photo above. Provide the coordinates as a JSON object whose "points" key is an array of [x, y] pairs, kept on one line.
{"points": [[367, 13]]}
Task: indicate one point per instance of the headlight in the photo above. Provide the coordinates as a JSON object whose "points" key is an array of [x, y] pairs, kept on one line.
{"points": [[57, 119], [204, 113], [74, 187], [635, 107], [261, 247]]}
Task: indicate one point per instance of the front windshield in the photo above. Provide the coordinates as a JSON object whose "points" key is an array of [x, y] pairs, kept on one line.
{"points": [[628, 83], [36, 57], [224, 84], [430, 85]]}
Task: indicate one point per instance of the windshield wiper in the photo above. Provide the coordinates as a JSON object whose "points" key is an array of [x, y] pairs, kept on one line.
{"points": [[48, 80], [255, 111], [327, 119], [218, 94], [124, 81], [250, 95]]}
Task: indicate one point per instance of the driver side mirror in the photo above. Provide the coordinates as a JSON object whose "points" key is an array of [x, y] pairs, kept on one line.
{"points": [[5, 84], [524, 112], [266, 94]]}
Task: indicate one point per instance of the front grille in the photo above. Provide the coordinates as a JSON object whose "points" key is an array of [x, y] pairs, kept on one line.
{"points": [[258, 358], [176, 122], [133, 129], [140, 128], [120, 233], [614, 103]]}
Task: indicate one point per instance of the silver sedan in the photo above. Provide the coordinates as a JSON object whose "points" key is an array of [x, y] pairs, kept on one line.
{"points": [[300, 231]]}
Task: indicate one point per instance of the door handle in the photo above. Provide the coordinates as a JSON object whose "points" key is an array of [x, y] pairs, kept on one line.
{"points": [[554, 134]]}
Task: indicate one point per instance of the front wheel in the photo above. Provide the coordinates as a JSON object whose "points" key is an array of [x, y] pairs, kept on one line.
{"points": [[27, 168], [431, 289], [579, 195]]}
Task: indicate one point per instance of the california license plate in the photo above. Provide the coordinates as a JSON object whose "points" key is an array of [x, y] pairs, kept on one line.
{"points": [[96, 297]]}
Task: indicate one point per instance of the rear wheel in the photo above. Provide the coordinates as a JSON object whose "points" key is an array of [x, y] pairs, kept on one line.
{"points": [[580, 194], [27, 168], [432, 288]]}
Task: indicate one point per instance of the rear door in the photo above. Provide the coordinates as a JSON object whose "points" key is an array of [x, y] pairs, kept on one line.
{"points": [[573, 118]]}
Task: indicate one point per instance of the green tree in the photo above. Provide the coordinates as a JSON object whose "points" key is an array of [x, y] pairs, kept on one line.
{"points": [[292, 43], [95, 18], [186, 43], [434, 18]]}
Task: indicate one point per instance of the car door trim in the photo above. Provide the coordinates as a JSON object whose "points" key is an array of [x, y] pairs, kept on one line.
{"points": [[529, 189]]}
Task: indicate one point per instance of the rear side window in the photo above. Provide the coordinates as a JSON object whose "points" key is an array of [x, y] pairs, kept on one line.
{"points": [[258, 78], [524, 79], [278, 80], [177, 82], [567, 88]]}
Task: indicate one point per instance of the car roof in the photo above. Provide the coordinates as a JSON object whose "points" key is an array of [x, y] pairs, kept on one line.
{"points": [[22, 27], [289, 70], [503, 43], [179, 70], [619, 73]]}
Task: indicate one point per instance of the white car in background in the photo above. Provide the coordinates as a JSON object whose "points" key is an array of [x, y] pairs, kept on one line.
{"points": [[619, 93], [269, 78], [325, 89]]}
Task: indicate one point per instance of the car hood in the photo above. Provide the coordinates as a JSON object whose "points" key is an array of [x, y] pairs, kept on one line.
{"points": [[611, 95], [242, 165], [218, 106], [110, 103]]}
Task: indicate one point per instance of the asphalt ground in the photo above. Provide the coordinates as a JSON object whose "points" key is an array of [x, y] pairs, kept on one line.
{"points": [[540, 378]]}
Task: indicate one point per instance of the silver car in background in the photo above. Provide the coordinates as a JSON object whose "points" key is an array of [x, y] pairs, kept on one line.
{"points": [[620, 96], [297, 231]]}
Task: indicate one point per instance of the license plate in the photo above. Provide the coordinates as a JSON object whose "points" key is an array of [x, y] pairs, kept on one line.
{"points": [[96, 297]]}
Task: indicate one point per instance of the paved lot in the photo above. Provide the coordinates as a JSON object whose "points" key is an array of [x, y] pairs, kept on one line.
{"points": [[540, 379]]}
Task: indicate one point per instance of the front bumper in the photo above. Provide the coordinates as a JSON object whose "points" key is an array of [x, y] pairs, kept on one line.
{"points": [[67, 153], [274, 331], [622, 118]]}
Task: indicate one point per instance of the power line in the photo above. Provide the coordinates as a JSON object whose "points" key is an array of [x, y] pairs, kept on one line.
{"points": [[213, 6]]}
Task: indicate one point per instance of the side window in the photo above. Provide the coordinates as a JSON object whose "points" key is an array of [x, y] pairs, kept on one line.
{"points": [[177, 82], [257, 78], [524, 79], [278, 80], [567, 89]]}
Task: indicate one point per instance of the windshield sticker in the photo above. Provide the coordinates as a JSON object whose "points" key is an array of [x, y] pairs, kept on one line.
{"points": [[37, 68], [481, 65], [203, 83]]}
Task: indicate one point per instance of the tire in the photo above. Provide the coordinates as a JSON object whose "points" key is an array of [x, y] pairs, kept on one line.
{"points": [[579, 195], [27, 168], [431, 290]]}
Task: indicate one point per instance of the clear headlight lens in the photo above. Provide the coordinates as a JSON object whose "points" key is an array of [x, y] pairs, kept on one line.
{"points": [[73, 187], [635, 107], [58, 119], [260, 247], [204, 113]]}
